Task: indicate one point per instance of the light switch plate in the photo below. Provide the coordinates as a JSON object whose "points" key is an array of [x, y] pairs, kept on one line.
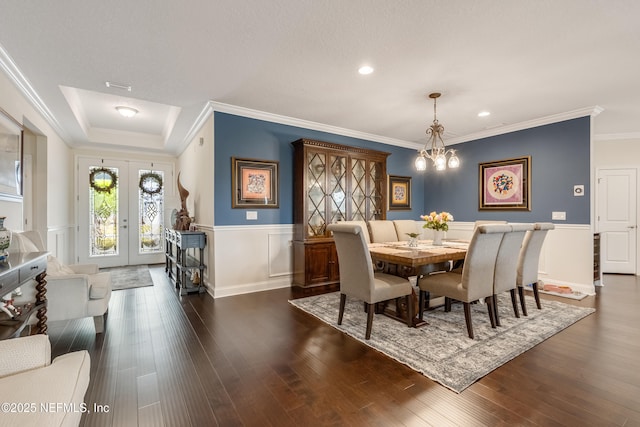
{"points": [[559, 216], [578, 190], [252, 215]]}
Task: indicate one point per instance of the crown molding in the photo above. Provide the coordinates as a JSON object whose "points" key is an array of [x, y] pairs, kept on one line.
{"points": [[529, 124], [292, 121], [616, 136], [20, 81]]}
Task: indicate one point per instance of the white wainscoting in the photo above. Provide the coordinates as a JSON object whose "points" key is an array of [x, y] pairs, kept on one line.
{"points": [[251, 258], [258, 258]]}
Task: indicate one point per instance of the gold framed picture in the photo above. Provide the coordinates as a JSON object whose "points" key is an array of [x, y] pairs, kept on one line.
{"points": [[399, 192], [254, 183]]}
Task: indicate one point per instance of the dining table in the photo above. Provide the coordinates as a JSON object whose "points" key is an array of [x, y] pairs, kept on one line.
{"points": [[403, 260]]}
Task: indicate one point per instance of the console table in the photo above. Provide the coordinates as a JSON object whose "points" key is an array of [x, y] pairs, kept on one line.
{"points": [[18, 269], [180, 265]]}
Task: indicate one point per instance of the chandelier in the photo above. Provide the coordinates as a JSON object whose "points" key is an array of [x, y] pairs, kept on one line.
{"points": [[434, 148]]}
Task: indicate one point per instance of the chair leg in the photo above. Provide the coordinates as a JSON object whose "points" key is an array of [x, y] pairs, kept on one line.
{"points": [[343, 300], [494, 303], [536, 295], [514, 303], [467, 318], [447, 304], [409, 310], [98, 322], [491, 310], [522, 303], [369, 321]]}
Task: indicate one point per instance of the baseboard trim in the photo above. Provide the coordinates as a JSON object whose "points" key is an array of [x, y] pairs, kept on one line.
{"points": [[248, 288]]}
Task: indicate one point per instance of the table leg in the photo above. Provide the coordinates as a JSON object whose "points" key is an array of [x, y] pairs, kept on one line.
{"points": [[41, 298]]}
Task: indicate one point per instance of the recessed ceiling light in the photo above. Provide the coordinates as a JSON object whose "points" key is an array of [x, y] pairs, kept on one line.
{"points": [[365, 69], [484, 114], [127, 111]]}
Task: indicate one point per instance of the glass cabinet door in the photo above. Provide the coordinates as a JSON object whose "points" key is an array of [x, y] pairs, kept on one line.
{"points": [[316, 194], [337, 175]]}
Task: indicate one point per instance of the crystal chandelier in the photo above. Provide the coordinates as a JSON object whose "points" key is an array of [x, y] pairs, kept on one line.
{"points": [[437, 151]]}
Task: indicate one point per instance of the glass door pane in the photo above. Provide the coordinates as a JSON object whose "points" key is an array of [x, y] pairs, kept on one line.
{"points": [[103, 211], [150, 211]]}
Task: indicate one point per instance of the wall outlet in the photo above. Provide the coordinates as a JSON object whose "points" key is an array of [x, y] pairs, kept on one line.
{"points": [[559, 216], [252, 215]]}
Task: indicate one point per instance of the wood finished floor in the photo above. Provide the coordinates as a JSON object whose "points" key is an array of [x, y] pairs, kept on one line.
{"points": [[255, 360]]}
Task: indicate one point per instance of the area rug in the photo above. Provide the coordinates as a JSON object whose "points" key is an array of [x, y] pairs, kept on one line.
{"points": [[442, 349], [132, 276]]}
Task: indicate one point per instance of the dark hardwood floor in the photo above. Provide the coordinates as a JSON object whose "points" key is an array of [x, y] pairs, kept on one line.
{"points": [[255, 360]]}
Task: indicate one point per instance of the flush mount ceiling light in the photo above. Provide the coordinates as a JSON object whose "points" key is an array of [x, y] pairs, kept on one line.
{"points": [[127, 111], [484, 114], [365, 69], [434, 148]]}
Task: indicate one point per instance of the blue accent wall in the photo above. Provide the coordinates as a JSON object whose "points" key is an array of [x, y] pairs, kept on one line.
{"points": [[560, 159], [237, 136]]}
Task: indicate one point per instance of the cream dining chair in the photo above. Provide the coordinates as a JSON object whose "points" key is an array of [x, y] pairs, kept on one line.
{"points": [[357, 278], [507, 266], [404, 227], [476, 280], [529, 260], [382, 231]]}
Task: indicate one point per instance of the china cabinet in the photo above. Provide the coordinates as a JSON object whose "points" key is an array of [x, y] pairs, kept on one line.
{"points": [[332, 183]]}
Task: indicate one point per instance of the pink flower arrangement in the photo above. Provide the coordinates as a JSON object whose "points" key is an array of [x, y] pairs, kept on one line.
{"points": [[437, 221]]}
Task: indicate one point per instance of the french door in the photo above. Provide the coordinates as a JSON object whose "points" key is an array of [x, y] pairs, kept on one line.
{"points": [[121, 211]]}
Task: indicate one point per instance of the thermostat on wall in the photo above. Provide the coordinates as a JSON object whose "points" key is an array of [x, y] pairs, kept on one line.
{"points": [[578, 190]]}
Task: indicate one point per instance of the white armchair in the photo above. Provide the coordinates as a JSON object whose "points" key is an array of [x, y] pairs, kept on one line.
{"points": [[73, 291], [30, 382]]}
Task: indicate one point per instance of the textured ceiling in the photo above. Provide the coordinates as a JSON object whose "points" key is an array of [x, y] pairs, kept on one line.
{"points": [[520, 60]]}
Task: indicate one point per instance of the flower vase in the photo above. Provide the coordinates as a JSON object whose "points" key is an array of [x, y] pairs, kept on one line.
{"points": [[413, 242], [437, 237], [5, 240]]}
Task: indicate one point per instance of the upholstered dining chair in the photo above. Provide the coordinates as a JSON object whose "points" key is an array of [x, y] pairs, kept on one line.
{"points": [[363, 226], [529, 260], [382, 231], [507, 266], [404, 227], [357, 278], [487, 222], [476, 280]]}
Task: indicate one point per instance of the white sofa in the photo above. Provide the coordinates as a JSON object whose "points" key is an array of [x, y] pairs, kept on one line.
{"points": [[73, 291], [37, 392]]}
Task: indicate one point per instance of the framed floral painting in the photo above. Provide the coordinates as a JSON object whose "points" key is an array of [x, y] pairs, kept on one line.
{"points": [[254, 183], [399, 192], [505, 184]]}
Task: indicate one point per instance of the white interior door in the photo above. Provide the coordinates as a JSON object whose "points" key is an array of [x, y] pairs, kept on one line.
{"points": [[103, 213], [616, 220]]}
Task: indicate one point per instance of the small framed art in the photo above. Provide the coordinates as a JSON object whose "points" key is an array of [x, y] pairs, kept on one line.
{"points": [[254, 183], [505, 184], [399, 192]]}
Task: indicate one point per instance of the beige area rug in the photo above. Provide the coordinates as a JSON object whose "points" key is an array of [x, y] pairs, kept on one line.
{"points": [[132, 276], [442, 349]]}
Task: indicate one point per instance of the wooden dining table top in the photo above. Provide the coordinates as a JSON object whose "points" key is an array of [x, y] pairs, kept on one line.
{"points": [[426, 253]]}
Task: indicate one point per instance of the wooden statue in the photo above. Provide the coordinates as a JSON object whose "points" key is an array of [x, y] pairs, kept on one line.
{"points": [[183, 220]]}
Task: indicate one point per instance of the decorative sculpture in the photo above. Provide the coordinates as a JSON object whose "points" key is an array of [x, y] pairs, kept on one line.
{"points": [[183, 220]]}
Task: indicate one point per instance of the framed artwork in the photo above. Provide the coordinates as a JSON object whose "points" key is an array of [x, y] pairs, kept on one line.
{"points": [[10, 157], [254, 183], [505, 184], [399, 192]]}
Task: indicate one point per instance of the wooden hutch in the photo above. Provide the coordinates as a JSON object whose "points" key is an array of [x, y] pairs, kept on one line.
{"points": [[332, 183]]}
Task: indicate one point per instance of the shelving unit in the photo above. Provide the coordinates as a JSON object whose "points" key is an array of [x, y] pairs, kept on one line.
{"points": [[184, 255], [331, 183]]}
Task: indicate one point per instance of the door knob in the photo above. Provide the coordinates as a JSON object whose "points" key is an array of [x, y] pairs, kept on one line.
{"points": [[631, 226]]}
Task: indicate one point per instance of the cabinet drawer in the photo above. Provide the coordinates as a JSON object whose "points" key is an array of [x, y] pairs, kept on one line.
{"points": [[9, 281], [185, 240], [32, 269]]}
